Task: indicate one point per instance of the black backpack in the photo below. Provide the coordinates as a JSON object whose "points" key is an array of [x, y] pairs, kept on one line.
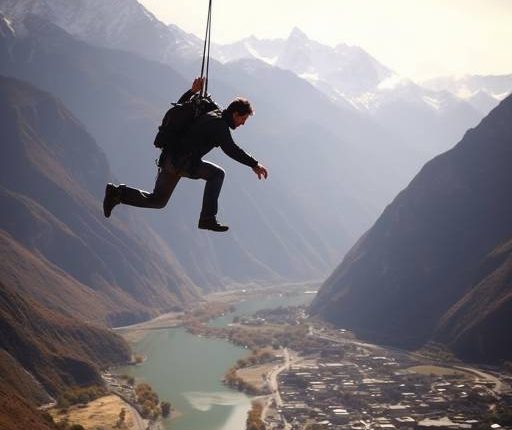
{"points": [[178, 119]]}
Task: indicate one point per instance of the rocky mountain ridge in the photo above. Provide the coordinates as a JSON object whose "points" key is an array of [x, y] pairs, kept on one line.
{"points": [[436, 264], [348, 75]]}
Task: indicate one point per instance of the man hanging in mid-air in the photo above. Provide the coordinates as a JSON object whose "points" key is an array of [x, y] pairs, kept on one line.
{"points": [[184, 159]]}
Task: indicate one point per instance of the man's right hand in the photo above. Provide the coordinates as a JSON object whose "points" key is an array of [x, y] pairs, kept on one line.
{"points": [[261, 171], [198, 84]]}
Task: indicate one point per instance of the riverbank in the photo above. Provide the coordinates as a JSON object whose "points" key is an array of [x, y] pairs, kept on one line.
{"points": [[220, 301]]}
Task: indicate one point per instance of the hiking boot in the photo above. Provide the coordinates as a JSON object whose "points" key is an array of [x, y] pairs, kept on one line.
{"points": [[111, 199], [211, 224]]}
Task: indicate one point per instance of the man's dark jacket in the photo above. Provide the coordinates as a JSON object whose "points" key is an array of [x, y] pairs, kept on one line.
{"points": [[206, 132]]}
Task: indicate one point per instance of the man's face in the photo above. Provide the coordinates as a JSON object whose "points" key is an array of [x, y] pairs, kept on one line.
{"points": [[239, 120]]}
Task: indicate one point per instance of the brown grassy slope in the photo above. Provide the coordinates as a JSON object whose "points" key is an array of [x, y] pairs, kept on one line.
{"points": [[17, 414], [58, 351], [19, 381], [34, 276]]}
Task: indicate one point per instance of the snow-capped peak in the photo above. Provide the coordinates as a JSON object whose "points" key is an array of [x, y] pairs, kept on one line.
{"points": [[121, 24], [298, 34]]}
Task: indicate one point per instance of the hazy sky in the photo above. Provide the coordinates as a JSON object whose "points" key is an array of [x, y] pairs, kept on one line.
{"points": [[416, 38]]}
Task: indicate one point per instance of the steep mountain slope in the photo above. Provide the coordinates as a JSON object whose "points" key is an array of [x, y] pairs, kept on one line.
{"points": [[58, 351], [51, 176], [34, 276], [436, 251], [15, 378], [42, 354], [17, 413], [477, 326]]}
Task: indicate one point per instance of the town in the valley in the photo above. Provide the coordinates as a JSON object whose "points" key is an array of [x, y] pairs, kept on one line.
{"points": [[340, 383]]}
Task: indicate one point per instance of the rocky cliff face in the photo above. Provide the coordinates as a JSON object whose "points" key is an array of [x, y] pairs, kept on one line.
{"points": [[55, 243], [436, 263]]}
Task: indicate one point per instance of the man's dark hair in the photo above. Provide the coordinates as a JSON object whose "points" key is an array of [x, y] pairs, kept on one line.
{"points": [[240, 105]]}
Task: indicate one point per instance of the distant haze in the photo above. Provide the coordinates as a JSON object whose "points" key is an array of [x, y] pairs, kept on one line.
{"points": [[419, 39]]}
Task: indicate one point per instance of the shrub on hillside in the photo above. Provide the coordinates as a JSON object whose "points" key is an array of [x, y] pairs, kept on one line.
{"points": [[77, 395]]}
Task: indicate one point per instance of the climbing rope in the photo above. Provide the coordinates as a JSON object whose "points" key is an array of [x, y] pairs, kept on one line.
{"points": [[206, 51]]}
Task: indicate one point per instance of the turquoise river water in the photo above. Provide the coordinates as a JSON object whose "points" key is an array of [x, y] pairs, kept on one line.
{"points": [[187, 370]]}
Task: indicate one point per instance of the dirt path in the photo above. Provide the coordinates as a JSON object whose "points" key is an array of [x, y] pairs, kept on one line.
{"points": [[274, 386]]}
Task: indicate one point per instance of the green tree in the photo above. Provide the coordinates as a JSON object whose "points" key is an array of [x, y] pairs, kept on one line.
{"points": [[166, 409], [122, 417]]}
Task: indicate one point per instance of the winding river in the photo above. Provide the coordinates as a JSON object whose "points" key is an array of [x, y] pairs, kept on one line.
{"points": [[187, 370]]}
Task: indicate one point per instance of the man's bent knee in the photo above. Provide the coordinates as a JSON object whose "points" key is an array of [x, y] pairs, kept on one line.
{"points": [[210, 171], [160, 202], [220, 173]]}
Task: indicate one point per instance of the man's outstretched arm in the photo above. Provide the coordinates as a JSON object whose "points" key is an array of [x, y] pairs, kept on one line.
{"points": [[232, 150]]}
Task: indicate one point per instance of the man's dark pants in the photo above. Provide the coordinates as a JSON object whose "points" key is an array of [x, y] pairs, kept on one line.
{"points": [[167, 179]]}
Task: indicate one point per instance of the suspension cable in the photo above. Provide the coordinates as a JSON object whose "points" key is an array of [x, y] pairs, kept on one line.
{"points": [[208, 56], [206, 51]]}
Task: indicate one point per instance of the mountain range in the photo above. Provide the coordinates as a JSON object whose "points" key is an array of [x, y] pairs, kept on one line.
{"points": [[430, 119], [343, 70], [437, 263], [348, 75], [481, 91]]}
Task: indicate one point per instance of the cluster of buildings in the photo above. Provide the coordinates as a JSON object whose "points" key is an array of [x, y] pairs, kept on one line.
{"points": [[350, 387], [280, 315], [120, 387]]}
